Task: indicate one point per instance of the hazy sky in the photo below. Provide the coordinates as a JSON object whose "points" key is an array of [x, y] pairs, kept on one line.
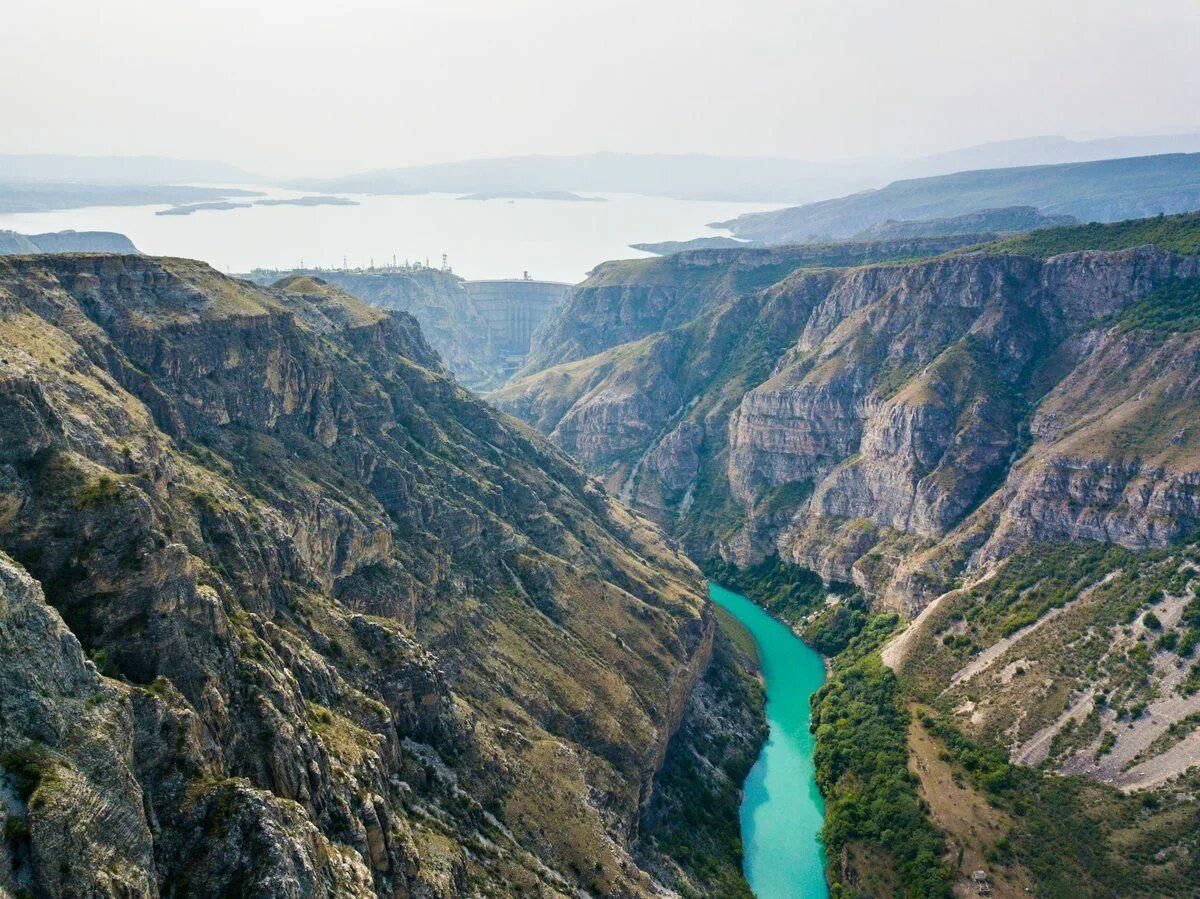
{"points": [[291, 86]]}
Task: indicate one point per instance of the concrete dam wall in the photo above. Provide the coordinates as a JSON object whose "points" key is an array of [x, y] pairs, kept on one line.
{"points": [[481, 329]]}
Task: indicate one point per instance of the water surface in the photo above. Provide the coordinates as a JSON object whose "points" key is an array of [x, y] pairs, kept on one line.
{"points": [[782, 810], [552, 240]]}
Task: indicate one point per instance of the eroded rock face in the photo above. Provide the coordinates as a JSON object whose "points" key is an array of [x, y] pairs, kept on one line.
{"points": [[352, 633], [869, 414], [67, 740]]}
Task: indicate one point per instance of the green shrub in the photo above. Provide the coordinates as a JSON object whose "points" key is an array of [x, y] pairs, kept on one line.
{"points": [[16, 828], [861, 761], [26, 767], [97, 492]]}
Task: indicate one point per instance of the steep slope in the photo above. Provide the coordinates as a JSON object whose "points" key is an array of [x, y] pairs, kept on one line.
{"points": [[630, 299], [851, 420], [1090, 191], [991, 459], [284, 611], [440, 302]]}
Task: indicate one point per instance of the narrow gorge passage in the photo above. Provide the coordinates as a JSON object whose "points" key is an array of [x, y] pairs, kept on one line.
{"points": [[782, 809]]}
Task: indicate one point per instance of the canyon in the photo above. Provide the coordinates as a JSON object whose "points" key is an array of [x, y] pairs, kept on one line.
{"points": [[284, 606], [284, 610], [971, 478]]}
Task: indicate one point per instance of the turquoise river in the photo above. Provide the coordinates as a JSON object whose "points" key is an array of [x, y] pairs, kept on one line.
{"points": [[782, 809]]}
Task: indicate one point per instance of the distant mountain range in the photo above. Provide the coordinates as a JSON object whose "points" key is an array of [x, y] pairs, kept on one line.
{"points": [[690, 177], [745, 178], [682, 176], [1048, 150], [1104, 191]]}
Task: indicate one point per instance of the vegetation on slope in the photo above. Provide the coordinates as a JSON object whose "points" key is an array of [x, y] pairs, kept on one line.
{"points": [[797, 596], [1091, 191], [1070, 656], [1076, 837], [1173, 307], [1008, 220], [1179, 233], [372, 635], [877, 834], [1064, 835]]}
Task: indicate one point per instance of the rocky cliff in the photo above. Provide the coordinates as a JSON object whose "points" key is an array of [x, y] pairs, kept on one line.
{"points": [[481, 329], [998, 449], [900, 425], [284, 611], [627, 300]]}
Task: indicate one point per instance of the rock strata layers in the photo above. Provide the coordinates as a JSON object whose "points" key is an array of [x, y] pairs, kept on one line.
{"points": [[285, 611], [936, 415]]}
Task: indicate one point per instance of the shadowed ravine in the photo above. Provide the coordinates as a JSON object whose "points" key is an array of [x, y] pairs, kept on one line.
{"points": [[782, 810]]}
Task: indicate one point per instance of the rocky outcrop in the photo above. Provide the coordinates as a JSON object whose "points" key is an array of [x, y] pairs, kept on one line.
{"points": [[626, 301], [311, 620], [717, 743], [73, 806]]}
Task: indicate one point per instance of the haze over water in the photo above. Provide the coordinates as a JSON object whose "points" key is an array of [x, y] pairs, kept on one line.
{"points": [[552, 240]]}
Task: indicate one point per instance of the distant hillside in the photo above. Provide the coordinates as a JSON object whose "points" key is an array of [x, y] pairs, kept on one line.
{"points": [[1009, 220], [12, 243], [121, 169], [1049, 150], [1178, 233], [746, 178], [1091, 191], [29, 196]]}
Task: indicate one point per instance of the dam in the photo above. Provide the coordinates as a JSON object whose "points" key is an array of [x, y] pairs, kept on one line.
{"points": [[481, 329], [512, 309]]}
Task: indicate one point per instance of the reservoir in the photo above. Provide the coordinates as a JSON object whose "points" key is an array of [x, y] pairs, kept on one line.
{"points": [[782, 810], [552, 240]]}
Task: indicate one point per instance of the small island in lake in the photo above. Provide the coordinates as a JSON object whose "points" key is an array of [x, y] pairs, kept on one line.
{"points": [[221, 206], [671, 247], [563, 195], [188, 209], [307, 201]]}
